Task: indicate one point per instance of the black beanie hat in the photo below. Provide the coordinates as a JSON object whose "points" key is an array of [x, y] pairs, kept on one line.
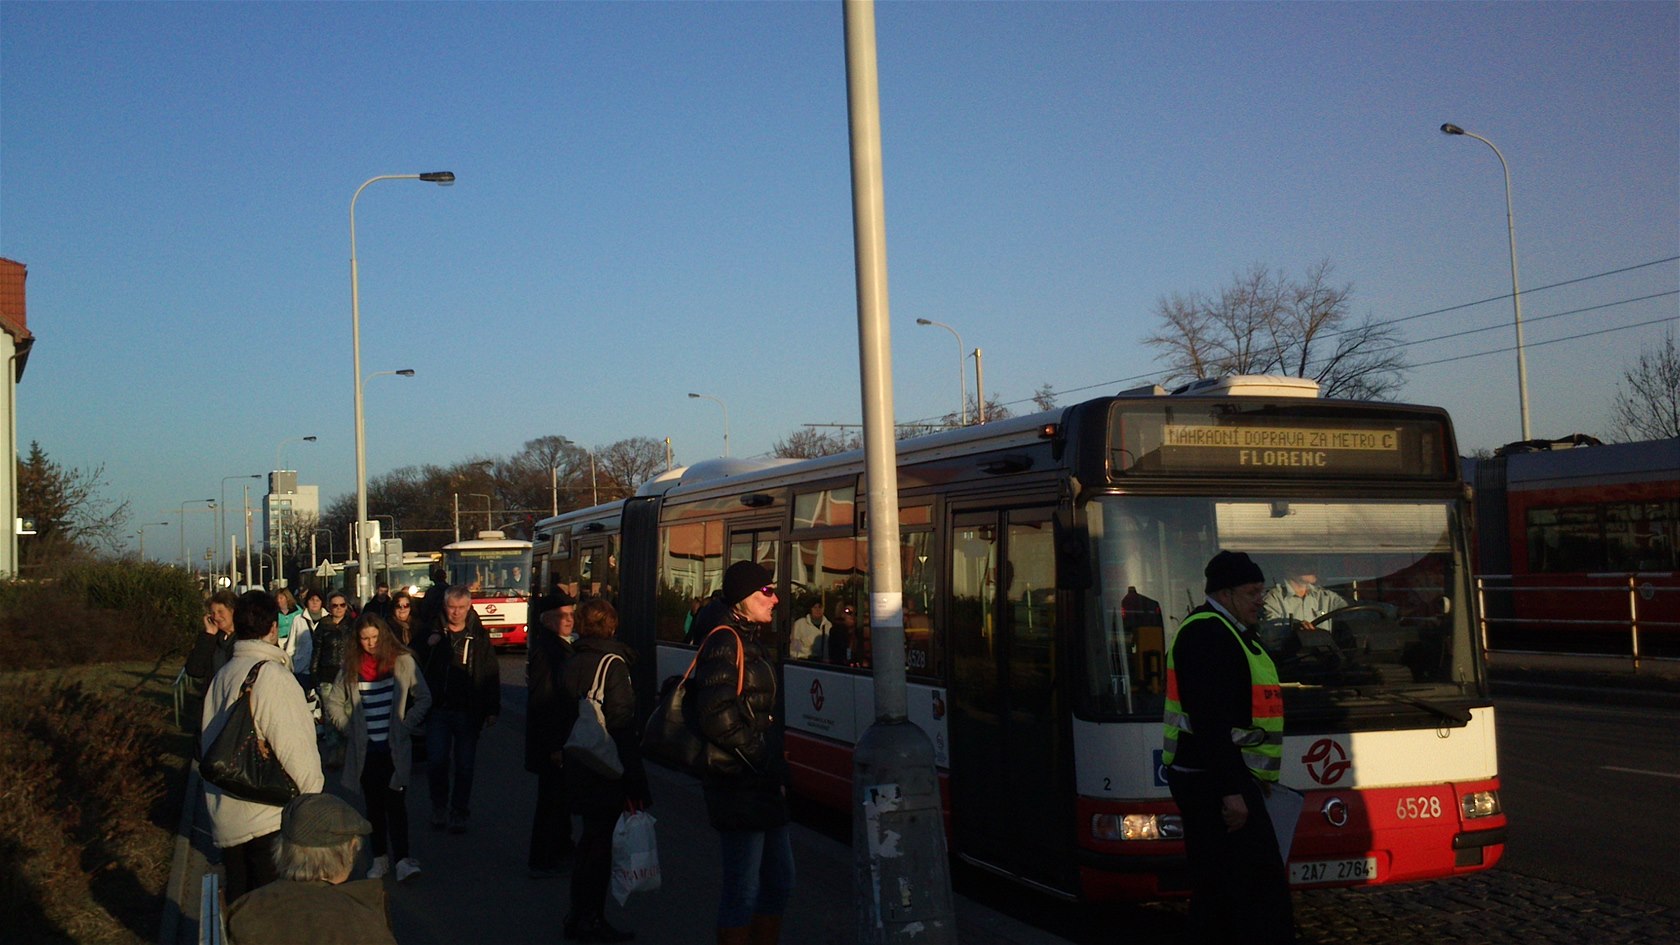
{"points": [[1231, 569], [742, 578]]}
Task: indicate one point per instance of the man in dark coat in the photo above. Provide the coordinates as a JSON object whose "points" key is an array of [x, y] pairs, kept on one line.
{"points": [[466, 683], [548, 720]]}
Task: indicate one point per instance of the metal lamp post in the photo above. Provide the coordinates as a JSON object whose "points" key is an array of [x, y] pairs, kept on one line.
{"points": [[725, 417], [212, 503], [360, 530], [962, 370], [1516, 293], [143, 527], [443, 178], [221, 517]]}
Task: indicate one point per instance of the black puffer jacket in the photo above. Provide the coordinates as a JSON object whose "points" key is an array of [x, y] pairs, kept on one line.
{"points": [[549, 712], [328, 658], [592, 793], [461, 669], [746, 774]]}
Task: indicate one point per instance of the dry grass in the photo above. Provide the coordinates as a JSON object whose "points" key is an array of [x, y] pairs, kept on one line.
{"points": [[90, 800]]}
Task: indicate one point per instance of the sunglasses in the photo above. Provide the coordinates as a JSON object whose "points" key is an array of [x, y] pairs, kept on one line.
{"points": [[403, 605], [768, 590], [337, 606]]}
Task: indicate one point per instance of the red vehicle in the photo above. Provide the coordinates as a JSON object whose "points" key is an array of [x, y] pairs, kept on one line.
{"points": [[1579, 546], [498, 570]]}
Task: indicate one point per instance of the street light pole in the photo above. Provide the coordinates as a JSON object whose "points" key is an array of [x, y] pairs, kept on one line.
{"points": [[1516, 293], [443, 178], [962, 370], [184, 562], [725, 417], [143, 527], [221, 516]]}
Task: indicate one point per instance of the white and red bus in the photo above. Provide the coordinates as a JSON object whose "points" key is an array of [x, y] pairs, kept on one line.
{"points": [[1047, 562], [498, 570]]}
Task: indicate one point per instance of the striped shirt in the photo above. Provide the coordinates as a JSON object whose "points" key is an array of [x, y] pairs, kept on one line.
{"points": [[376, 707]]}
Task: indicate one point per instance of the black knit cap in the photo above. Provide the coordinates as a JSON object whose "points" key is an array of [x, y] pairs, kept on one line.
{"points": [[742, 578], [1231, 569]]}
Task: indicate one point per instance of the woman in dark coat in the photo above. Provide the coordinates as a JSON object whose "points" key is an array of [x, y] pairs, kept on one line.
{"points": [[746, 775], [597, 800]]}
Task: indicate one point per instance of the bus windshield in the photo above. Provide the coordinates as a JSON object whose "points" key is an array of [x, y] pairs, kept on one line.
{"points": [[1366, 600], [497, 572]]}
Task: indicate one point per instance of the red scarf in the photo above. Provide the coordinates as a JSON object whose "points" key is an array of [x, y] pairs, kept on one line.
{"points": [[369, 670]]}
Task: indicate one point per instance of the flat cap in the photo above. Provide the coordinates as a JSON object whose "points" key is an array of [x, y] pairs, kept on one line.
{"points": [[321, 820]]}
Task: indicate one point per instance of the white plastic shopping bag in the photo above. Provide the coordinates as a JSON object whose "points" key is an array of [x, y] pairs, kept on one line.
{"points": [[635, 860]]}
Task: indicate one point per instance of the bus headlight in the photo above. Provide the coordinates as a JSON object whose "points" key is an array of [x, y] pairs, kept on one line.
{"points": [[1480, 804], [1137, 827]]}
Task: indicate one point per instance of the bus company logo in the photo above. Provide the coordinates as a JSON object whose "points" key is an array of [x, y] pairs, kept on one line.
{"points": [[490, 608], [1326, 761], [816, 695]]}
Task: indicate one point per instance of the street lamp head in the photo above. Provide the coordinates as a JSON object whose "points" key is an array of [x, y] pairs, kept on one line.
{"points": [[924, 321], [406, 372], [310, 439], [695, 396], [1451, 129], [441, 178]]}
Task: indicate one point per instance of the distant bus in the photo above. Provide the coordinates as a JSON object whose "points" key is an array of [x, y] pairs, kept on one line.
{"points": [[1578, 544], [498, 570]]}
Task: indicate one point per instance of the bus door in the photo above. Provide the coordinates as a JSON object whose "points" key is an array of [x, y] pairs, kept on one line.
{"points": [[1011, 798]]}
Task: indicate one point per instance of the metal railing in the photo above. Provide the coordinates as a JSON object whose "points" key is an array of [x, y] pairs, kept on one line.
{"points": [[179, 691], [212, 925], [1632, 587]]}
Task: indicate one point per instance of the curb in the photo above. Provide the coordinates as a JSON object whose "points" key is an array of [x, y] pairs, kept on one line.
{"points": [[169, 929]]}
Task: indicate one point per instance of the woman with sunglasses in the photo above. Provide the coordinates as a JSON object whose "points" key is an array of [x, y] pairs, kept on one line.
{"points": [[402, 612], [746, 775]]}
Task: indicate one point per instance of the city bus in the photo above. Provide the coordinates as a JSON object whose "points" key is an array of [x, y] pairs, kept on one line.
{"points": [[414, 574], [1047, 562], [498, 570]]}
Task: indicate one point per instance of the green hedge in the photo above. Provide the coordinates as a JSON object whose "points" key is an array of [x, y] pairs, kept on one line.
{"points": [[98, 612]]}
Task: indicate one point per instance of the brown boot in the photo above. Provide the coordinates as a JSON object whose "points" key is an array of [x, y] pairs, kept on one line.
{"points": [[765, 930], [735, 936]]}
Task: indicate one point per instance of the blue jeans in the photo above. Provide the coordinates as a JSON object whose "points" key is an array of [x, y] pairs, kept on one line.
{"points": [[757, 874], [451, 748]]}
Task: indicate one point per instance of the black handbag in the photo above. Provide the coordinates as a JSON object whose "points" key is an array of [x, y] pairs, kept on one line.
{"points": [[241, 762], [670, 737]]}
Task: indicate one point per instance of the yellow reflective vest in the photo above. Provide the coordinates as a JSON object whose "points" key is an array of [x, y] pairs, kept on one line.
{"points": [[1261, 741]]}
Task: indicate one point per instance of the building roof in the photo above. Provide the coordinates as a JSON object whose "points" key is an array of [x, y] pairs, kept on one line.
{"points": [[14, 319]]}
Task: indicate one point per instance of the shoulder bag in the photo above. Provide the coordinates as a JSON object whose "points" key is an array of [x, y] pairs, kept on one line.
{"points": [[669, 737], [241, 762], [590, 744]]}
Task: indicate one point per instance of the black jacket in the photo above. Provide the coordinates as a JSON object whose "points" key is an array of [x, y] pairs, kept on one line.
{"points": [[210, 653], [461, 669], [592, 793], [1215, 690], [328, 657], [745, 776], [549, 712]]}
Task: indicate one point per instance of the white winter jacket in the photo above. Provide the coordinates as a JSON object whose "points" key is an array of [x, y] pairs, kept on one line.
{"points": [[282, 716]]}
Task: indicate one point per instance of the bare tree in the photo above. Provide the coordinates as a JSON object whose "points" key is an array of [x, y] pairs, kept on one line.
{"points": [[1045, 397], [71, 516], [1265, 323], [626, 464], [809, 442], [995, 410], [1648, 407]]}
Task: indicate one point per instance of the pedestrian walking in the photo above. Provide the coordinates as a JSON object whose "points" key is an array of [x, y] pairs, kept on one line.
{"points": [[549, 714], [466, 685], [381, 698]]}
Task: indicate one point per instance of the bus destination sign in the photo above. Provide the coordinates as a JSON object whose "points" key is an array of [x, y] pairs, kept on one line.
{"points": [[1207, 442], [1281, 446]]}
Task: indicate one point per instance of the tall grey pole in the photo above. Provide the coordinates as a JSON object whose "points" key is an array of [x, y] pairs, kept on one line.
{"points": [[979, 389], [901, 877], [248, 535], [1516, 293]]}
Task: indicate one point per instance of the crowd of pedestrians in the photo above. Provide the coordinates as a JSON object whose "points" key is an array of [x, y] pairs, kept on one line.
{"points": [[405, 685]]}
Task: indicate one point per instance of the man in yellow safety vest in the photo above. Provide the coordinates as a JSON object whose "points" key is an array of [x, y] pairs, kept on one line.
{"points": [[1223, 749]]}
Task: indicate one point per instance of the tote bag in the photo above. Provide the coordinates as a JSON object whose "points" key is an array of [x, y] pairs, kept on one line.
{"points": [[589, 743], [241, 762]]}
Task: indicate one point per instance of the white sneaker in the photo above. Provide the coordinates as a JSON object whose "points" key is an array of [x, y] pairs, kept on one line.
{"points": [[381, 866], [407, 868]]}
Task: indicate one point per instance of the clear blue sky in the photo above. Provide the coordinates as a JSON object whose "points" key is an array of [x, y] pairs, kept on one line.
{"points": [[655, 199]]}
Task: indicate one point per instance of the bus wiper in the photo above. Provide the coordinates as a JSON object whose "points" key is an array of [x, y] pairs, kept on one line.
{"points": [[1461, 716]]}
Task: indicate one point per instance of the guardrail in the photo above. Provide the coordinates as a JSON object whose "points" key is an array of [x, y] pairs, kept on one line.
{"points": [[1630, 587], [212, 926], [179, 690]]}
